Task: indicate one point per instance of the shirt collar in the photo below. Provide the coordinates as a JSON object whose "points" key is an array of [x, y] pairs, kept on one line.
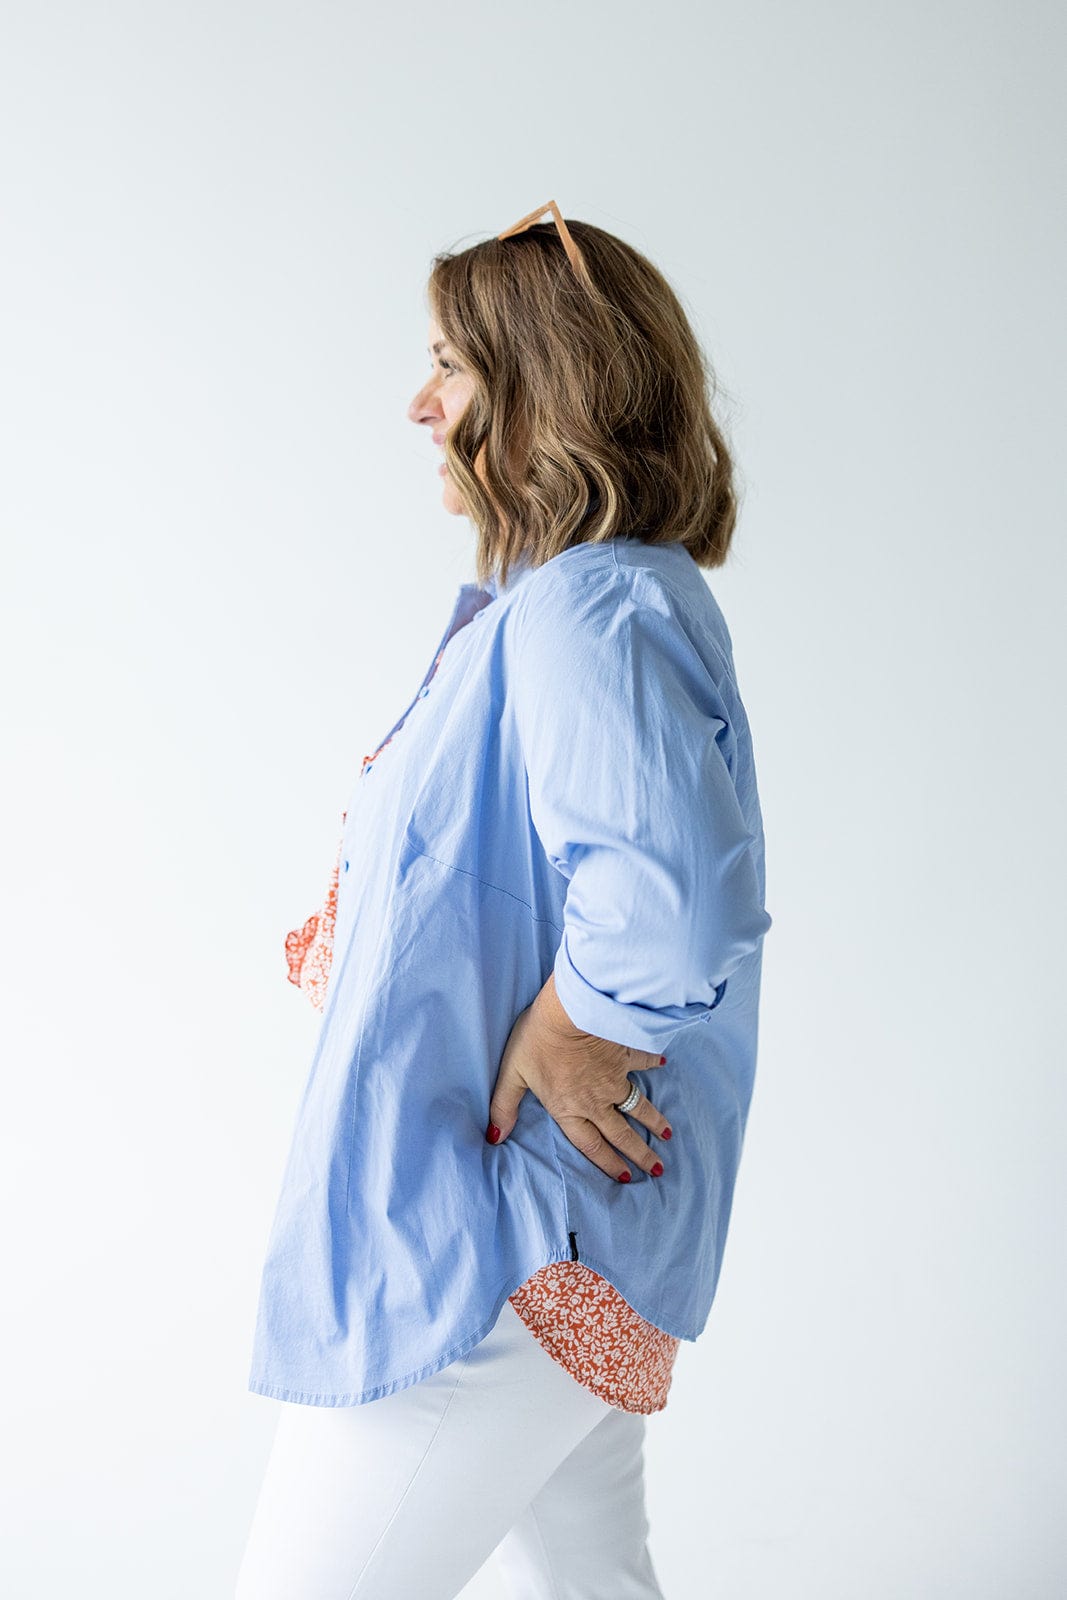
{"points": [[520, 568]]}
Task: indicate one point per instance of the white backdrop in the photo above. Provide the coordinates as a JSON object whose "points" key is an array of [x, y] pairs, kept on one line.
{"points": [[225, 561]]}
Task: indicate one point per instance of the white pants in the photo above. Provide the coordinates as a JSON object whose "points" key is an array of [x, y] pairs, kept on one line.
{"points": [[405, 1497]]}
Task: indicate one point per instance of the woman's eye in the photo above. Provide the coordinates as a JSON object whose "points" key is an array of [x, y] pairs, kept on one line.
{"points": [[448, 366]]}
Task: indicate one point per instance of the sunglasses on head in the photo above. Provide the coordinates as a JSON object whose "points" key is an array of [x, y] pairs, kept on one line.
{"points": [[574, 254]]}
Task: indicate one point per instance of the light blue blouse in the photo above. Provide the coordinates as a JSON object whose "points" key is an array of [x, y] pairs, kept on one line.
{"points": [[572, 790]]}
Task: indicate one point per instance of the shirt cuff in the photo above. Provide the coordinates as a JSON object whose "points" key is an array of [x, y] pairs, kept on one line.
{"points": [[623, 1022]]}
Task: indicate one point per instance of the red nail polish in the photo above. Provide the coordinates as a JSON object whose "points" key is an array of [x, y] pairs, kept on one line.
{"points": [[665, 1134], [663, 1061], [624, 1177], [492, 1133], [656, 1169]]}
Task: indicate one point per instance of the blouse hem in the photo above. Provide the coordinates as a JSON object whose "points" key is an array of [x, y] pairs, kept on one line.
{"points": [[378, 1391], [637, 1302]]}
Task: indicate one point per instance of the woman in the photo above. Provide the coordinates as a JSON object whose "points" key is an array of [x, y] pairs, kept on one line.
{"points": [[538, 964]]}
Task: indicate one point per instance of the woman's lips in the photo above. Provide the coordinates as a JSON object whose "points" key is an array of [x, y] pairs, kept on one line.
{"points": [[442, 469]]}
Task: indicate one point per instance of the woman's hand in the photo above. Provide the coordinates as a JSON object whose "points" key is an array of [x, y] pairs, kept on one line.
{"points": [[579, 1079]]}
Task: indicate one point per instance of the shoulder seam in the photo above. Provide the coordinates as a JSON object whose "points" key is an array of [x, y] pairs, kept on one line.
{"points": [[633, 577]]}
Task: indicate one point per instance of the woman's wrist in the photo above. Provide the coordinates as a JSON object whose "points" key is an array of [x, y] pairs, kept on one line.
{"points": [[550, 1012]]}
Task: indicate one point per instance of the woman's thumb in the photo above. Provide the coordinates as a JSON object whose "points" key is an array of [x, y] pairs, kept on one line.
{"points": [[504, 1105]]}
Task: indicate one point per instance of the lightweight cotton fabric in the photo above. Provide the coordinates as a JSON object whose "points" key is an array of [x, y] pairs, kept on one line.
{"points": [[575, 793], [580, 1318]]}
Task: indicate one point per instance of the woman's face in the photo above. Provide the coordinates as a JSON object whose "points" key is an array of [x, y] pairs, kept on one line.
{"points": [[439, 404]]}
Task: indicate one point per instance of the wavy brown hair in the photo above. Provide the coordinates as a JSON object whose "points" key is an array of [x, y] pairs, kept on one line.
{"points": [[591, 413]]}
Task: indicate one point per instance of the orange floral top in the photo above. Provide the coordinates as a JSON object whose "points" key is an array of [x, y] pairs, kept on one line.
{"points": [[576, 1314]]}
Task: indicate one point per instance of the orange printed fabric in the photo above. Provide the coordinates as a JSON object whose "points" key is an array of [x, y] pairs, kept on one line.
{"points": [[309, 950], [578, 1316], [585, 1324]]}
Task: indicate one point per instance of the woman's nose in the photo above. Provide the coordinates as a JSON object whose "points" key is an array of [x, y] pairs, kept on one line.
{"points": [[425, 407]]}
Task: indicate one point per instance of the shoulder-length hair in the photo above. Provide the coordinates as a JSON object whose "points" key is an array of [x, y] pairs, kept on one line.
{"points": [[590, 415]]}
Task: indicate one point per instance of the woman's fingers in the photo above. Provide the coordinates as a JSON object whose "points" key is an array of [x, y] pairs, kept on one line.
{"points": [[587, 1138], [600, 1143], [616, 1128], [646, 1114]]}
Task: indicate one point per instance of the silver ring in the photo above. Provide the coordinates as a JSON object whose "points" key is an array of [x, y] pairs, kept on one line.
{"points": [[631, 1099]]}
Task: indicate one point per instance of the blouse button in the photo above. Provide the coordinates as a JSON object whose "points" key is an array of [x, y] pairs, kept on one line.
{"points": [[424, 690], [346, 866]]}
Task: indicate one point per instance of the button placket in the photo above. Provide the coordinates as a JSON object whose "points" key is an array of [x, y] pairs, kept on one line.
{"points": [[367, 765]]}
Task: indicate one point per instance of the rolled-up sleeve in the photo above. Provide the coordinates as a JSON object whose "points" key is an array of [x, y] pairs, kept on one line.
{"points": [[621, 726]]}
